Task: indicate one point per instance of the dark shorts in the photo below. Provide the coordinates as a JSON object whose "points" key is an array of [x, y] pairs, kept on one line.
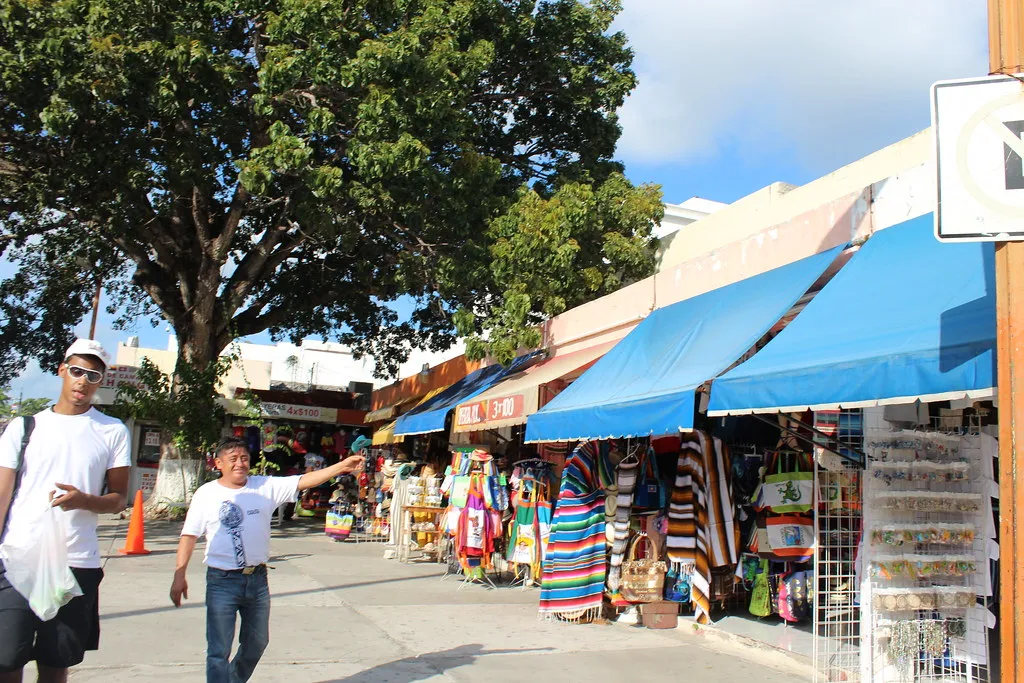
{"points": [[59, 643]]}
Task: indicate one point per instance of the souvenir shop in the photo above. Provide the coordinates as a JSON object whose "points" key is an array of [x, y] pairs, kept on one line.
{"points": [[291, 439], [836, 472]]}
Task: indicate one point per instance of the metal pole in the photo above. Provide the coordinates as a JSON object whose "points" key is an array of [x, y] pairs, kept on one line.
{"points": [[95, 308], [1006, 56]]}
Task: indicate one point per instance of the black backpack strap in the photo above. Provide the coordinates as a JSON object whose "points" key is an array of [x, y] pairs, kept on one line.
{"points": [[29, 424]]}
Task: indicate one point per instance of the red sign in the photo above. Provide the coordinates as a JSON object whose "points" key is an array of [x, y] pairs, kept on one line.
{"points": [[492, 410]]}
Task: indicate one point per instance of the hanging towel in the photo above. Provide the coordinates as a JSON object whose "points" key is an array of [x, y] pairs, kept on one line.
{"points": [[574, 564]]}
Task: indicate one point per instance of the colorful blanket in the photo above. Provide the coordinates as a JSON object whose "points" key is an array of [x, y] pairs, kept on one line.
{"points": [[574, 564]]}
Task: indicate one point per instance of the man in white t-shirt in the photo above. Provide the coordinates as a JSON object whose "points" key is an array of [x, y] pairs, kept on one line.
{"points": [[234, 514], [72, 449]]}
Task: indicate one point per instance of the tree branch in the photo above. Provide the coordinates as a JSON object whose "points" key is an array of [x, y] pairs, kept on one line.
{"points": [[231, 222]]}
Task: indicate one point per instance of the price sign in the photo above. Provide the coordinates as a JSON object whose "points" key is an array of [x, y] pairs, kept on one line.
{"points": [[297, 412], [506, 408], [490, 410]]}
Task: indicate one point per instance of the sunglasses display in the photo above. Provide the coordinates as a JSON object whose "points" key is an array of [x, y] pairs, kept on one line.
{"points": [[91, 376]]}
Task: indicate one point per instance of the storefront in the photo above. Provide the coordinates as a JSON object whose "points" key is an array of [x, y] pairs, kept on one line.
{"points": [[902, 337], [914, 353]]}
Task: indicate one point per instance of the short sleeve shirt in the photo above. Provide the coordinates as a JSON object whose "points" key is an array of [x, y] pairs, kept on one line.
{"points": [[66, 449], [236, 522]]}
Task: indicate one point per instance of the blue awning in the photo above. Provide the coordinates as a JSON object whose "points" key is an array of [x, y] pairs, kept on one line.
{"points": [[430, 415], [908, 318], [645, 385]]}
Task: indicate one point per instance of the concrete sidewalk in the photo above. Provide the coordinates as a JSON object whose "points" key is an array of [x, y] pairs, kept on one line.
{"points": [[342, 613]]}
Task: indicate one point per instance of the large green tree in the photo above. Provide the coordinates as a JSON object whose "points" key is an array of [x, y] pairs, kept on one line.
{"points": [[238, 166]]}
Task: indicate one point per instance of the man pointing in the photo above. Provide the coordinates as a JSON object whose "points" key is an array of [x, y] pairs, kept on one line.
{"points": [[234, 514]]}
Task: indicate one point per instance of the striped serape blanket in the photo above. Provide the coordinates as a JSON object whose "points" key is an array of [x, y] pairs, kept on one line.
{"points": [[576, 557]]}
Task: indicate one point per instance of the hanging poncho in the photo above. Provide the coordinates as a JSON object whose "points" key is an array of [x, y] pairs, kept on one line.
{"points": [[574, 565], [701, 530]]}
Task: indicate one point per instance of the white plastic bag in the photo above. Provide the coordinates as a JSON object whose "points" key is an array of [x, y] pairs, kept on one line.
{"points": [[36, 561]]}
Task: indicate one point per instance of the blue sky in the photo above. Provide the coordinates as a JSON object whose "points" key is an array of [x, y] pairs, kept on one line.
{"points": [[737, 94]]}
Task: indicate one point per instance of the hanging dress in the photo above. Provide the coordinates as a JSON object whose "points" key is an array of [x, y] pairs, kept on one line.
{"points": [[576, 558]]}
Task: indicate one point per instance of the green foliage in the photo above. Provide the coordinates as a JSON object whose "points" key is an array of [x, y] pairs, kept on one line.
{"points": [[185, 405], [239, 166], [11, 408]]}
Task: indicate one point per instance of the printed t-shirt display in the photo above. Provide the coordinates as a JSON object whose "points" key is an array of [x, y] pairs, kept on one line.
{"points": [[68, 449], [236, 522]]}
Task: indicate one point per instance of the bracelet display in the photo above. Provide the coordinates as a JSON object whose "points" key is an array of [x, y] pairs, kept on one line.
{"points": [[928, 598]]}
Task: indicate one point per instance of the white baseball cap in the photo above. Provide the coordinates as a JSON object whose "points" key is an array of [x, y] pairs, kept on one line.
{"points": [[88, 347]]}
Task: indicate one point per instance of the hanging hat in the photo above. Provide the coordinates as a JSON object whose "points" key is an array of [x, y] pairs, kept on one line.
{"points": [[361, 443]]}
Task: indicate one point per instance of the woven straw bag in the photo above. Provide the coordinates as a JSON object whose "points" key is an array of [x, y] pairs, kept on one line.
{"points": [[643, 580]]}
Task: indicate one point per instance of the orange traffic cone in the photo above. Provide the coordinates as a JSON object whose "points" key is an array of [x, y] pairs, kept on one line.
{"points": [[135, 544]]}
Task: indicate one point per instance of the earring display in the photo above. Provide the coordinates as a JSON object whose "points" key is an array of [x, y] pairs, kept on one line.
{"points": [[935, 534], [927, 538], [929, 501]]}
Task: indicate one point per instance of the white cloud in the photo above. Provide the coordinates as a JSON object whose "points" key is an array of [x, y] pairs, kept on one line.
{"points": [[831, 80]]}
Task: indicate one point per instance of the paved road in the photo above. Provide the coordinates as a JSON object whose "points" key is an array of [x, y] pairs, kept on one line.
{"points": [[342, 613]]}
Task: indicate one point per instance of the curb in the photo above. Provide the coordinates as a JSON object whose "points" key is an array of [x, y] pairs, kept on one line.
{"points": [[778, 657]]}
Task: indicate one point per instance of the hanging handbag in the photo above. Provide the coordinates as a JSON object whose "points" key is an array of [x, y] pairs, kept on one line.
{"points": [[649, 494], [677, 583], [788, 491], [643, 580], [797, 598], [760, 596]]}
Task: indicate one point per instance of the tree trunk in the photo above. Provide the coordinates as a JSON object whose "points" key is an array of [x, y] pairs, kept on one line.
{"points": [[181, 470], [176, 480]]}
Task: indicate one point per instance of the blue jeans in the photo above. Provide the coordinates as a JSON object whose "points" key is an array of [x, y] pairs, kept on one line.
{"points": [[228, 594]]}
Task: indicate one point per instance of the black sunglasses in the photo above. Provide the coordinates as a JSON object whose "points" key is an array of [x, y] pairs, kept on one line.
{"points": [[91, 376]]}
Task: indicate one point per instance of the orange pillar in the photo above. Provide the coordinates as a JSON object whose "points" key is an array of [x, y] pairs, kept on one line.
{"points": [[1006, 56]]}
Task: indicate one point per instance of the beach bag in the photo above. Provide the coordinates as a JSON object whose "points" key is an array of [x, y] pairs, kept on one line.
{"points": [[649, 494], [788, 491], [338, 525], [760, 596], [643, 580], [459, 493], [790, 537], [794, 596]]}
